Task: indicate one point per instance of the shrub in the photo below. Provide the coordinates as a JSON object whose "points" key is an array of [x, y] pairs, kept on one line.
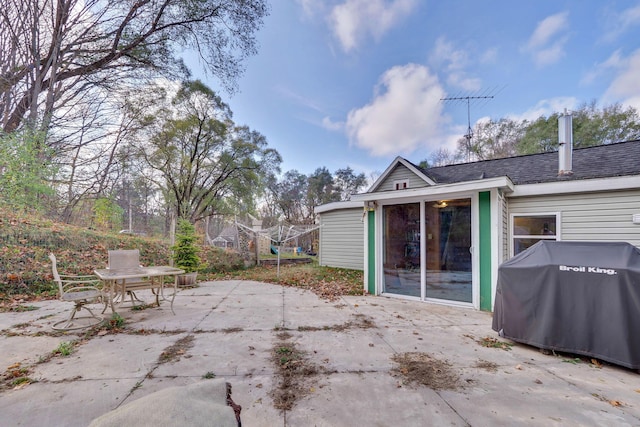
{"points": [[185, 252]]}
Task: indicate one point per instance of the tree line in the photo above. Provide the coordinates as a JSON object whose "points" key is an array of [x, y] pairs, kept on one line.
{"points": [[102, 125], [506, 137]]}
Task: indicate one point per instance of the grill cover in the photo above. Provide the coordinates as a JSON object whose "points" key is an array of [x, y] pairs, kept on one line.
{"points": [[575, 297]]}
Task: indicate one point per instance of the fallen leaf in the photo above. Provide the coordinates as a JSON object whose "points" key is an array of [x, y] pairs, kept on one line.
{"points": [[615, 403], [21, 385]]}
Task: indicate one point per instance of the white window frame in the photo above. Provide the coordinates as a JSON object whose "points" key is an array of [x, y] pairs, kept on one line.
{"points": [[402, 184], [513, 235]]}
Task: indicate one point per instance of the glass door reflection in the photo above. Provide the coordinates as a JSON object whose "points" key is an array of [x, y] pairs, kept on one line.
{"points": [[401, 256], [448, 243]]}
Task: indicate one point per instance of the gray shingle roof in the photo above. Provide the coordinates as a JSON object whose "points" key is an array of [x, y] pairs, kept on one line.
{"points": [[602, 161]]}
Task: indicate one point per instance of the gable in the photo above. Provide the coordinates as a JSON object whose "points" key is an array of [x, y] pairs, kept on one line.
{"points": [[399, 174]]}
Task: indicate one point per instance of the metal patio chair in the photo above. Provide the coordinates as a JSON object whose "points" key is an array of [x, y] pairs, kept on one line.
{"points": [[80, 290]]}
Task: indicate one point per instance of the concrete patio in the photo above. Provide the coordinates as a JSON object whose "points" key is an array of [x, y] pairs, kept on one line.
{"points": [[229, 330]]}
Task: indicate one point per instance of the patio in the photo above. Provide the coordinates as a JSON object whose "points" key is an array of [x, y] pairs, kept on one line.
{"points": [[230, 330]]}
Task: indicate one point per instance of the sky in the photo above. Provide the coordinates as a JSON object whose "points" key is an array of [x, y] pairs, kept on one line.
{"points": [[359, 82]]}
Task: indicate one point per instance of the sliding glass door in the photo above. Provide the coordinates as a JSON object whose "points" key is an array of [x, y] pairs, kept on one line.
{"points": [[447, 245], [401, 258]]}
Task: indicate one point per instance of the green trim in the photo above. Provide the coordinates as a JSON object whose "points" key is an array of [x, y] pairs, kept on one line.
{"points": [[371, 253], [484, 199]]}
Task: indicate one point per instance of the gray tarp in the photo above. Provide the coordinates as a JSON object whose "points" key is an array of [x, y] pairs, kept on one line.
{"points": [[576, 297]]}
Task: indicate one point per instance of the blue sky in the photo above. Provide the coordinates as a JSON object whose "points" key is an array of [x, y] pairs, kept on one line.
{"points": [[358, 82]]}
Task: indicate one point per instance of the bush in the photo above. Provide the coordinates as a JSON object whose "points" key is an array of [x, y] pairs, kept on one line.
{"points": [[185, 252], [216, 260], [25, 243]]}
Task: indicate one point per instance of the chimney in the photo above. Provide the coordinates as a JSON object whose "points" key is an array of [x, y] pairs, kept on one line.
{"points": [[565, 141]]}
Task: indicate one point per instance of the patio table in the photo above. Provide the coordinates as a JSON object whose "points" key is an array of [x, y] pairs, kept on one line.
{"points": [[119, 281]]}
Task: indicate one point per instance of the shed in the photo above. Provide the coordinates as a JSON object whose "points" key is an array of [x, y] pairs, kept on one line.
{"points": [[341, 235]]}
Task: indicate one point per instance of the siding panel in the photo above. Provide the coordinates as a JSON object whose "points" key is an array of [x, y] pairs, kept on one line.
{"points": [[401, 173], [602, 216], [342, 239]]}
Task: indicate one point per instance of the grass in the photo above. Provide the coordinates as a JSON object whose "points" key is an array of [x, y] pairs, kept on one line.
{"points": [[18, 308], [26, 241], [25, 270], [294, 372], [495, 343], [326, 282], [65, 348], [115, 323]]}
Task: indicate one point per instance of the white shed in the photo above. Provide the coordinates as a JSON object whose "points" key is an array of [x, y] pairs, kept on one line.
{"points": [[341, 235]]}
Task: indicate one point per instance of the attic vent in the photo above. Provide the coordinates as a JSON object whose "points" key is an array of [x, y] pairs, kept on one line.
{"points": [[401, 185]]}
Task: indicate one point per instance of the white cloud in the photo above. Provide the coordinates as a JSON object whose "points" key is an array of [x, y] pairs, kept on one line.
{"points": [[614, 61], [353, 20], [546, 44], [311, 7], [329, 124], [546, 29], [453, 62], [621, 22], [550, 55], [634, 102], [405, 114], [490, 56], [445, 54], [625, 87], [460, 80], [546, 107], [297, 99]]}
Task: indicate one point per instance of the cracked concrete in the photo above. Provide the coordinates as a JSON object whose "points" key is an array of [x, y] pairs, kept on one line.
{"points": [[232, 327]]}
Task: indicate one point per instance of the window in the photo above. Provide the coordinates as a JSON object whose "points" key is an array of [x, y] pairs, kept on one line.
{"points": [[401, 185], [530, 229]]}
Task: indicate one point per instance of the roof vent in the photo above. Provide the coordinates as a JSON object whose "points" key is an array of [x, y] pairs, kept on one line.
{"points": [[565, 141]]}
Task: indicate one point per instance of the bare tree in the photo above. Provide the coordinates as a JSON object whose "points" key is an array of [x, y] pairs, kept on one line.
{"points": [[493, 139], [50, 49], [205, 163], [442, 157], [94, 147], [348, 182]]}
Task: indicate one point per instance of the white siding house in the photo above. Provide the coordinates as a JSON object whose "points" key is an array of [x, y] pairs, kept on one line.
{"points": [[401, 177], [439, 234], [341, 235], [593, 216]]}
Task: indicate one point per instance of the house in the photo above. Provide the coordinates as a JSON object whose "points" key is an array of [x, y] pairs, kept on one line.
{"points": [[439, 234], [228, 238]]}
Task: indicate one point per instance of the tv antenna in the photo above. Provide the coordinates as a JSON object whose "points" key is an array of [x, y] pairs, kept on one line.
{"points": [[468, 99]]}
